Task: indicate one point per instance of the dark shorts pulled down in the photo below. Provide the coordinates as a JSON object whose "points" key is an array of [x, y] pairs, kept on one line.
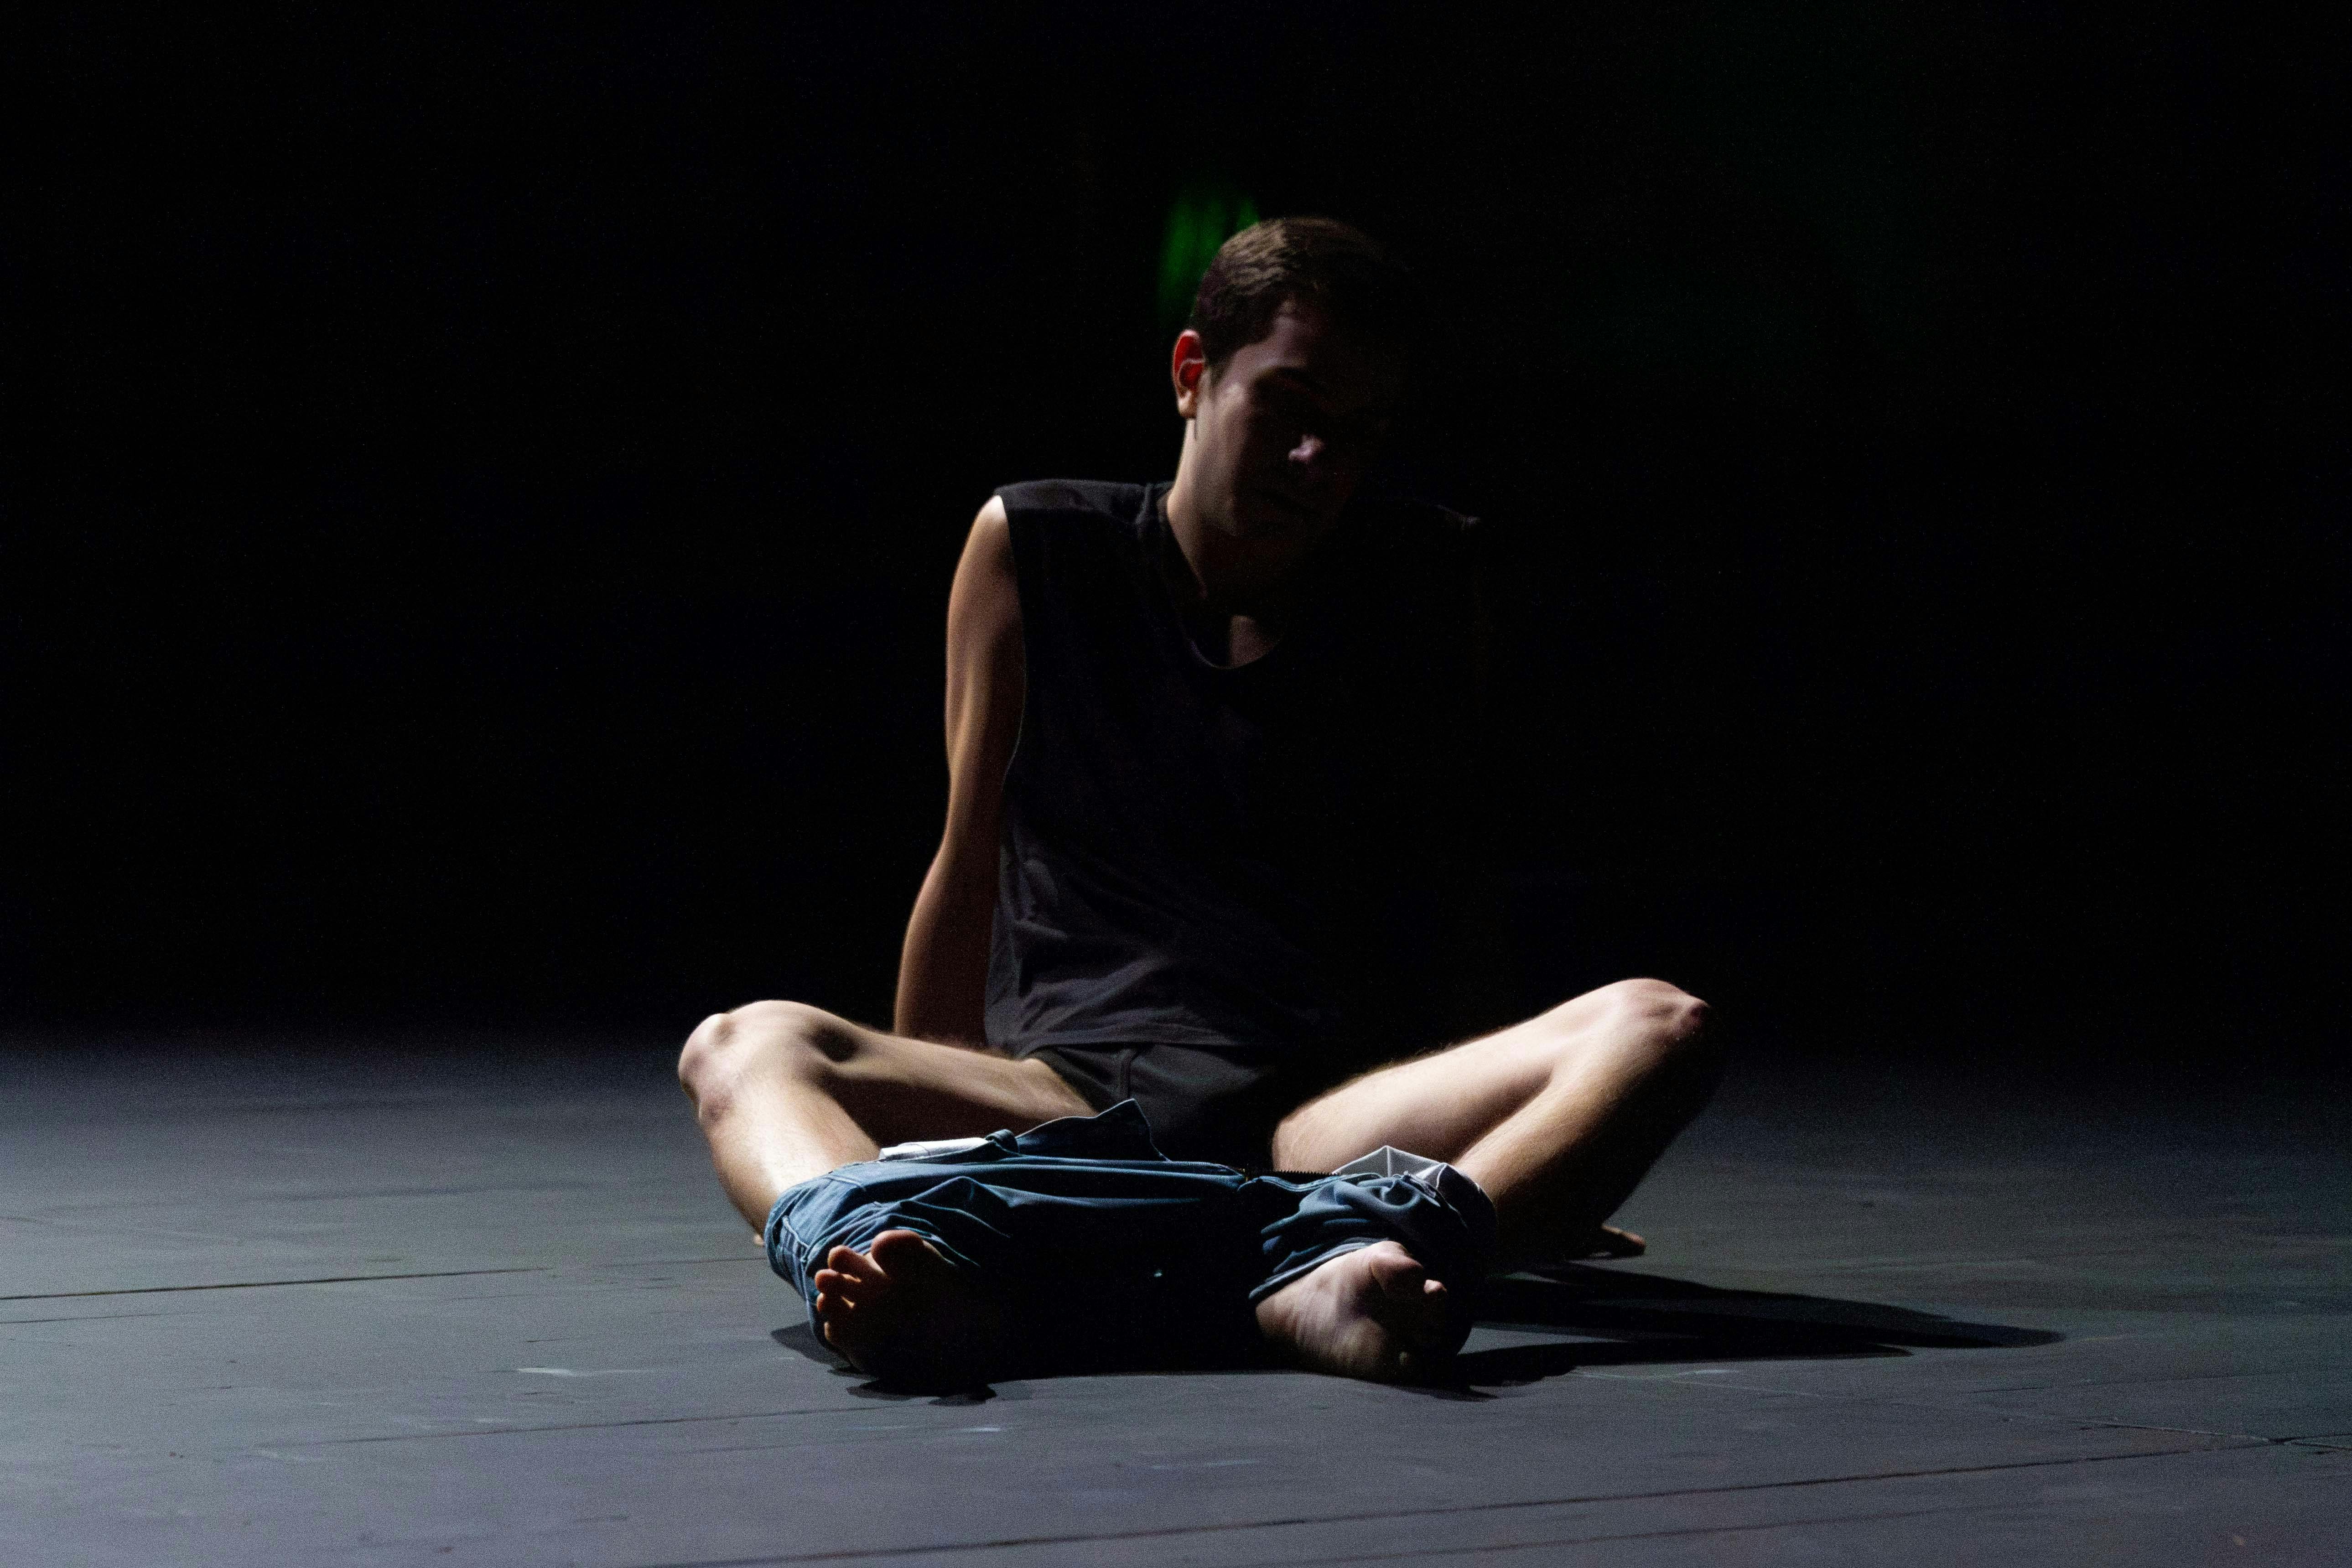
{"points": [[1098, 1253], [1201, 1104]]}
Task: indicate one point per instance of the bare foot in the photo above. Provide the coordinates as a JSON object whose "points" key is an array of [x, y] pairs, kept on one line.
{"points": [[900, 1310], [1373, 1313], [1608, 1241]]}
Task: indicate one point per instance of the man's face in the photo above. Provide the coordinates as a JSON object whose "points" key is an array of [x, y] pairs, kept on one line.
{"points": [[1284, 433]]}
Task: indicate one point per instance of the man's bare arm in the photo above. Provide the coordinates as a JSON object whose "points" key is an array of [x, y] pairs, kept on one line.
{"points": [[943, 968]]}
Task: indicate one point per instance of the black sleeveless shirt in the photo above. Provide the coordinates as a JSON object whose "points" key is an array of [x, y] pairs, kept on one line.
{"points": [[1230, 859]]}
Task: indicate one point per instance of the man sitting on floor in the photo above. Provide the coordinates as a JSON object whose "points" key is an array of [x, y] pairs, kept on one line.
{"points": [[1194, 879]]}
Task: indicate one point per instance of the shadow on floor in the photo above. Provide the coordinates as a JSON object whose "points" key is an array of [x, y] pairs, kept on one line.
{"points": [[801, 1340], [1627, 1319]]}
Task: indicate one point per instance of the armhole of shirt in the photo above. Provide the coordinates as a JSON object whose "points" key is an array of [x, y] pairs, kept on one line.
{"points": [[1022, 540]]}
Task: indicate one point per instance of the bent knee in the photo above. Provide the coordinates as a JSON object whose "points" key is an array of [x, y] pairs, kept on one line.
{"points": [[1651, 1018], [758, 1038], [1666, 1009]]}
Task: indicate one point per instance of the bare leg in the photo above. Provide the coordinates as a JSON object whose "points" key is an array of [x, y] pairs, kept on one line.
{"points": [[1557, 1119], [786, 1091]]}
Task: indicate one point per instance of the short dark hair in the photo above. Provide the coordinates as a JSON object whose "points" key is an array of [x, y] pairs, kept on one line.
{"points": [[1284, 259]]}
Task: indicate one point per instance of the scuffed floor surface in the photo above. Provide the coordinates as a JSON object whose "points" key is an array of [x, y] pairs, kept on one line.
{"points": [[312, 1304]]}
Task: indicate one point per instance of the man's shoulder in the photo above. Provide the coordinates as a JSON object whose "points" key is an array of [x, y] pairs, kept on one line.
{"points": [[1109, 499]]}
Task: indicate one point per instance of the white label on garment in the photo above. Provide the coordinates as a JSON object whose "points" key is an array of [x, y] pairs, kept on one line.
{"points": [[1389, 1161], [1386, 1160], [931, 1150]]}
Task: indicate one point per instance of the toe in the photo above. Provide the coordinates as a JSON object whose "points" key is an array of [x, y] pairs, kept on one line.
{"points": [[906, 1255], [849, 1261], [1403, 1277], [847, 1288]]}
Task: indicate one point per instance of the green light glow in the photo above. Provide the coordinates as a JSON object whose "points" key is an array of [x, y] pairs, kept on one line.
{"points": [[1204, 215]]}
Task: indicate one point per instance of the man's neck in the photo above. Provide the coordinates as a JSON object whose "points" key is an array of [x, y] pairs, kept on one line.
{"points": [[1234, 599], [1230, 575]]}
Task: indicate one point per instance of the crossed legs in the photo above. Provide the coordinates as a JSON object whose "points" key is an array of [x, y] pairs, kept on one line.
{"points": [[1557, 1119]]}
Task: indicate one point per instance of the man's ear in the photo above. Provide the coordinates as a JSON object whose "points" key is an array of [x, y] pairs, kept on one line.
{"points": [[1187, 368]]}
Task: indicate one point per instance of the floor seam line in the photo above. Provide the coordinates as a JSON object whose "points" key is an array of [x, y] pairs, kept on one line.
{"points": [[1448, 1511], [1625, 1535], [2079, 1422], [266, 1284], [565, 1426]]}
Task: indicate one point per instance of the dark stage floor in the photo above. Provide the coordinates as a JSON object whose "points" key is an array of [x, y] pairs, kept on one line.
{"points": [[333, 1306]]}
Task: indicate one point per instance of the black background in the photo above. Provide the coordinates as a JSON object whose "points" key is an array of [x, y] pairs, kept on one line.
{"points": [[491, 486]]}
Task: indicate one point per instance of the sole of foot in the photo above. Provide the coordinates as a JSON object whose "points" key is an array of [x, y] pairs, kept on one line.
{"points": [[1373, 1313], [901, 1313]]}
